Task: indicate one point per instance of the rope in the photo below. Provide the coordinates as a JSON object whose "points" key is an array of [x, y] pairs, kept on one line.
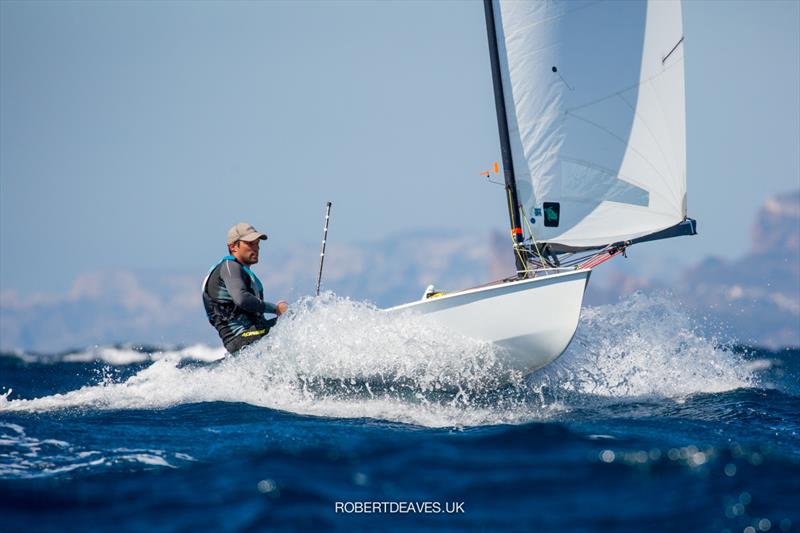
{"points": [[514, 239], [533, 237]]}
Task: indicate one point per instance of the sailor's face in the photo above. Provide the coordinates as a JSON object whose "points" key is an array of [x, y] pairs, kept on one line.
{"points": [[248, 251]]}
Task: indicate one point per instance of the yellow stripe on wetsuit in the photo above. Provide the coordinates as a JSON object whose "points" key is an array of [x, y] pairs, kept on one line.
{"points": [[252, 333]]}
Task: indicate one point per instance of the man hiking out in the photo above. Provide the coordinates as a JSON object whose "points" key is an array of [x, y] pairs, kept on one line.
{"points": [[234, 297]]}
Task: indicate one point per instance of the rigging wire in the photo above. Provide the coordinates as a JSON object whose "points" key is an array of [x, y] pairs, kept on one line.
{"points": [[533, 237], [514, 239]]}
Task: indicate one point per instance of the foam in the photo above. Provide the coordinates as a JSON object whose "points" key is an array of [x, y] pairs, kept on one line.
{"points": [[340, 358], [644, 346], [129, 354], [126, 355]]}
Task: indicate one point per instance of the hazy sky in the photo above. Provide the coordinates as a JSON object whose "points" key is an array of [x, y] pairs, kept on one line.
{"points": [[133, 134]]}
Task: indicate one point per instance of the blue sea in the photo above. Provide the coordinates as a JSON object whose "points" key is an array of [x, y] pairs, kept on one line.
{"points": [[349, 418]]}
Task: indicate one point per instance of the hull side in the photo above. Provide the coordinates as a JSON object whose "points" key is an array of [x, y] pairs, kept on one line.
{"points": [[532, 320]]}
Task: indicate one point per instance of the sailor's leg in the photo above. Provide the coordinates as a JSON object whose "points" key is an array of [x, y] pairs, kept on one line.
{"points": [[249, 337]]}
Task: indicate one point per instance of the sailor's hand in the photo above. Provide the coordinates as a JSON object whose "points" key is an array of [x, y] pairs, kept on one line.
{"points": [[282, 306]]}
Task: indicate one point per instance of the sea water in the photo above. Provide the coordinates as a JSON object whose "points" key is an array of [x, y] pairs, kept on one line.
{"points": [[348, 417]]}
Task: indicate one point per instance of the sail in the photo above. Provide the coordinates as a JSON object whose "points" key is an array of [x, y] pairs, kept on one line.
{"points": [[594, 98]]}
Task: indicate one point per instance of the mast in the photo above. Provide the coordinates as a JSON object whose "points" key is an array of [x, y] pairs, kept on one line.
{"points": [[505, 143]]}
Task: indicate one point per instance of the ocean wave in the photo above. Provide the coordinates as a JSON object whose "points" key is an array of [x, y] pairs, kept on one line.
{"points": [[120, 355], [26, 457]]}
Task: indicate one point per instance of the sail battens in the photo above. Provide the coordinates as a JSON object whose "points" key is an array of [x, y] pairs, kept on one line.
{"points": [[595, 109]]}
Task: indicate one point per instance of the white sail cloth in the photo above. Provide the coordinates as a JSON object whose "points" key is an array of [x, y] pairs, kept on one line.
{"points": [[594, 95]]}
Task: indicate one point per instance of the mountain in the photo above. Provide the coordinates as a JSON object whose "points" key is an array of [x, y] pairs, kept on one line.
{"points": [[105, 308], [756, 297]]}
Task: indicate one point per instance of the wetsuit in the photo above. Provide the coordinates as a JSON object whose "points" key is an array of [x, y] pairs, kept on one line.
{"points": [[234, 300]]}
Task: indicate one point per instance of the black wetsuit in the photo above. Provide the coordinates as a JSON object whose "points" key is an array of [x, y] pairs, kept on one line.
{"points": [[234, 300]]}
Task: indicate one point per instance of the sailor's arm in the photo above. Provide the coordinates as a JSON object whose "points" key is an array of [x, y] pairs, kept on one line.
{"points": [[233, 276]]}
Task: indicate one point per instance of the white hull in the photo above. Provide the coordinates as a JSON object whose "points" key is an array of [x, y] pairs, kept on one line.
{"points": [[533, 320]]}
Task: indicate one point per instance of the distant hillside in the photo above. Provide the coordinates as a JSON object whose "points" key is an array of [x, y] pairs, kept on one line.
{"points": [[105, 308], [757, 297]]}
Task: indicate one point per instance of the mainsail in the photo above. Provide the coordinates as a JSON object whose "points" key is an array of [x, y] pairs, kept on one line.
{"points": [[594, 102]]}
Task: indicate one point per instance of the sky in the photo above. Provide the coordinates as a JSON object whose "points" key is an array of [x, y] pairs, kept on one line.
{"points": [[134, 134]]}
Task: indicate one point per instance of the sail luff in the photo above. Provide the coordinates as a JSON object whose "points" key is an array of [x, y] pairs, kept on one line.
{"points": [[505, 145]]}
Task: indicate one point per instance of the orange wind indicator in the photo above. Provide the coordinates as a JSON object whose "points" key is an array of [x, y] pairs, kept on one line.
{"points": [[495, 167]]}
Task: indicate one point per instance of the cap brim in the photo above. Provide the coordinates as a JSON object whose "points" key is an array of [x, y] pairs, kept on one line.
{"points": [[250, 237]]}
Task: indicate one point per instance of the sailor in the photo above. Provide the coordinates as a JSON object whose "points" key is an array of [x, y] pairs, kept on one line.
{"points": [[234, 296]]}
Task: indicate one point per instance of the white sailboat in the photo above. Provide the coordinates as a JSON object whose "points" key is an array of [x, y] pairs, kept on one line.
{"points": [[590, 108]]}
